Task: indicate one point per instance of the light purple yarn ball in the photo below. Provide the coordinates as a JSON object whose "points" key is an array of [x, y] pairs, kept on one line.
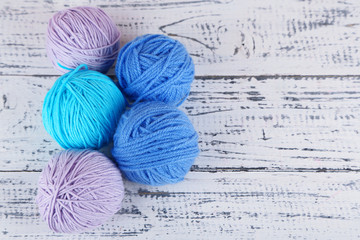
{"points": [[79, 190], [82, 35]]}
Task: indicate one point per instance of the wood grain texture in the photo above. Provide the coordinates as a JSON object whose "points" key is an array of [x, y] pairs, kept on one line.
{"points": [[225, 37], [276, 103], [207, 206], [244, 123]]}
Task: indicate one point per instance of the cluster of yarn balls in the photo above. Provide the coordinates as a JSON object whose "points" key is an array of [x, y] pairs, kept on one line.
{"points": [[85, 110]]}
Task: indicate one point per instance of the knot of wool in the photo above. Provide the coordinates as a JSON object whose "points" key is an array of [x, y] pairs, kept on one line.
{"points": [[155, 68], [155, 144], [82, 109], [79, 190], [82, 35]]}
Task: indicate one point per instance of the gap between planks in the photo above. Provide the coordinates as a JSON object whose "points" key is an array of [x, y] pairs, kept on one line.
{"points": [[196, 169], [213, 77]]}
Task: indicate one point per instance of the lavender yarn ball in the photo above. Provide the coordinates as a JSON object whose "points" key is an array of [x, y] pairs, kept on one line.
{"points": [[79, 190], [155, 68], [82, 35]]}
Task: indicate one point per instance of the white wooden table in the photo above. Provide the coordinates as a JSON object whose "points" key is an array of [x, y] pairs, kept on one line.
{"points": [[276, 103]]}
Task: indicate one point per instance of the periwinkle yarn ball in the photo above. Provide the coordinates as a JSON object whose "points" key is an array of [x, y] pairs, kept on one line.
{"points": [[82, 35], [155, 68], [155, 144], [82, 109], [79, 190]]}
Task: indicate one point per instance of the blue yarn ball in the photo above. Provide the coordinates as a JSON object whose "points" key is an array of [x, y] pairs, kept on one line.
{"points": [[82, 109], [155, 144], [155, 68]]}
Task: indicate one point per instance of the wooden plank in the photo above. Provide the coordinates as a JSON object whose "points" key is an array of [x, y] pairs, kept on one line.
{"points": [[224, 37], [244, 124], [207, 206]]}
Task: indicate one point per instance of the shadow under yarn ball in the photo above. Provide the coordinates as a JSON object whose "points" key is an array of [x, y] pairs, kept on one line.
{"points": [[82, 35], [155, 144], [79, 190], [82, 109], [155, 68]]}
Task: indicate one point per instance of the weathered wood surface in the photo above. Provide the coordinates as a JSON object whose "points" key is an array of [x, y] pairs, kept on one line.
{"points": [[275, 103], [225, 37], [244, 123], [207, 206]]}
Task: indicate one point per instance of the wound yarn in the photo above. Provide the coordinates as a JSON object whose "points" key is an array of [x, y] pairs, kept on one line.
{"points": [[82, 109], [155, 68], [155, 144], [79, 190], [82, 35]]}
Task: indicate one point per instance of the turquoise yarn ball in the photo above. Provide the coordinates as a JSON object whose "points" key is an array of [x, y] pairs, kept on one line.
{"points": [[82, 109], [155, 68], [155, 144]]}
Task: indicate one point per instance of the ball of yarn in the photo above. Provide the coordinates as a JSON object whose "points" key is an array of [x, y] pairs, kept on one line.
{"points": [[155, 144], [79, 190], [82, 35], [82, 109], [155, 68]]}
